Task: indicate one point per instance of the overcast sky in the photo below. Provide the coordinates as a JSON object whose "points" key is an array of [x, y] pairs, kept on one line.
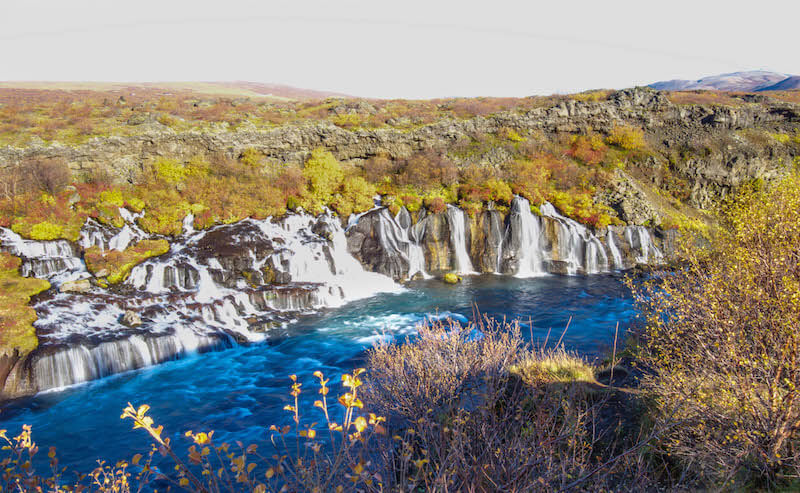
{"points": [[402, 48]]}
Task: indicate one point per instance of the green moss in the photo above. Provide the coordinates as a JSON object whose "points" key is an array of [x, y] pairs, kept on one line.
{"points": [[16, 317], [45, 231], [452, 278], [169, 170], [119, 264]]}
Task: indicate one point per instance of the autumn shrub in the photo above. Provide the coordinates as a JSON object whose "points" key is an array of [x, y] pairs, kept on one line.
{"points": [[412, 202], [628, 138], [427, 170], [476, 408], [499, 191], [581, 207], [435, 205], [324, 175], [589, 149], [530, 179], [356, 196], [722, 340], [377, 168], [44, 216], [35, 175]]}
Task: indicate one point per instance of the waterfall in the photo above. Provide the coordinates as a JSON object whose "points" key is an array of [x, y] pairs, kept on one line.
{"points": [[578, 247], [399, 237], [55, 260], [612, 247], [458, 237], [76, 364], [527, 235], [182, 307], [638, 238]]}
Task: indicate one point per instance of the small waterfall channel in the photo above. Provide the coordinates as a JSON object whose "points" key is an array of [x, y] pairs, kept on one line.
{"points": [[458, 237]]}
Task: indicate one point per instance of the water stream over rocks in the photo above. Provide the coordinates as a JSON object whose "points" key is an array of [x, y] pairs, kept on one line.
{"points": [[239, 283]]}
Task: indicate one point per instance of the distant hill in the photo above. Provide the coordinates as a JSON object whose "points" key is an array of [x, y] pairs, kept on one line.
{"points": [[230, 89], [757, 80], [786, 84]]}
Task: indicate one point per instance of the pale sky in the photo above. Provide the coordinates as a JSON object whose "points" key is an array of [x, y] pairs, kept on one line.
{"points": [[403, 48]]}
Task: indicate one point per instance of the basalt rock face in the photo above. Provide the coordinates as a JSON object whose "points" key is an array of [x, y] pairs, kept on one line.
{"points": [[707, 145], [487, 231]]}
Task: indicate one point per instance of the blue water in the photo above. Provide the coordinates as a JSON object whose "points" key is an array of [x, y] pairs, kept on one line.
{"points": [[240, 392]]}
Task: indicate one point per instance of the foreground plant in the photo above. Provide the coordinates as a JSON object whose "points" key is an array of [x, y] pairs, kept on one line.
{"points": [[722, 337], [302, 461]]}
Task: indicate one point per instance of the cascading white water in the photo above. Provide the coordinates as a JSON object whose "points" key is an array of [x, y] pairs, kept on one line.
{"points": [[578, 247], [639, 239], [53, 260], [458, 238], [527, 234], [182, 307], [324, 261], [616, 256], [76, 364]]}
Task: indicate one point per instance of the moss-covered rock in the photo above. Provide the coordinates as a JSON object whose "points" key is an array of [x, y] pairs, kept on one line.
{"points": [[452, 278], [119, 264], [16, 317]]}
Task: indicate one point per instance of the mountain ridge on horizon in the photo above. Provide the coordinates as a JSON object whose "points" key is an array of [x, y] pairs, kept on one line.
{"points": [[744, 81]]}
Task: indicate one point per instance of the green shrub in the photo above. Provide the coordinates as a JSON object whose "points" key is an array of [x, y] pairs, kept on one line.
{"points": [[46, 231], [499, 191], [169, 171], [251, 157], [356, 196]]}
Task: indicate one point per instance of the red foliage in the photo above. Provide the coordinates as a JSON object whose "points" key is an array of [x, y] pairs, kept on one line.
{"points": [[436, 205]]}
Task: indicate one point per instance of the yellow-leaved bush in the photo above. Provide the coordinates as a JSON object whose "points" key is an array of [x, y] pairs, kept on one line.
{"points": [[722, 340]]}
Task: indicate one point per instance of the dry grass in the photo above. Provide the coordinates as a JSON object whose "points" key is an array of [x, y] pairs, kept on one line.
{"points": [[553, 366], [719, 98]]}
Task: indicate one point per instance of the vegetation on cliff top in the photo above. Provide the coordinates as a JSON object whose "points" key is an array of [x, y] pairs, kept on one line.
{"points": [[16, 317], [221, 189]]}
